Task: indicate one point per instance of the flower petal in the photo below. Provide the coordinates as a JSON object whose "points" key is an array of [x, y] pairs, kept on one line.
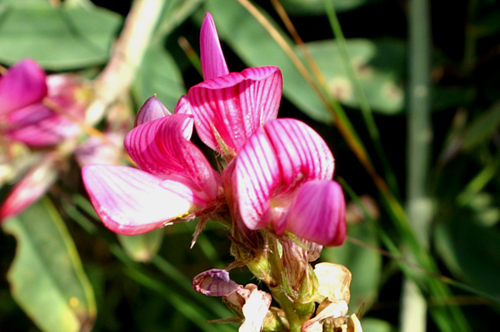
{"points": [[256, 177], [96, 151], [151, 110], [130, 201], [273, 163], [318, 213], [213, 63], [37, 125], [302, 153], [230, 108], [30, 188], [160, 148], [183, 106], [22, 85]]}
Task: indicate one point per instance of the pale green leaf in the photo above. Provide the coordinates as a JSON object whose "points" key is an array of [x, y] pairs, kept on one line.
{"points": [[59, 38], [376, 325], [158, 75], [142, 247], [46, 277], [379, 66]]}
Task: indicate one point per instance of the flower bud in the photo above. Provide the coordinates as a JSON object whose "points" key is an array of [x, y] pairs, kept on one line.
{"points": [[215, 282]]}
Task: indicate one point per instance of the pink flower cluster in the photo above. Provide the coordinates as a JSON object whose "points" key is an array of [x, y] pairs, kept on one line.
{"points": [[26, 115], [27, 99], [276, 173]]}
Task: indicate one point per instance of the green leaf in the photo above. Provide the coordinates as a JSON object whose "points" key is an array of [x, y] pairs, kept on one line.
{"points": [[142, 247], [379, 66], [253, 44], [469, 250], [158, 75], [376, 325], [47, 279], [317, 7], [365, 264], [59, 38], [482, 128]]}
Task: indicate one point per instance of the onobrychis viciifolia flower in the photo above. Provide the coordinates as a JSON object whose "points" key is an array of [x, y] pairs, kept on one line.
{"points": [[39, 111], [273, 187]]}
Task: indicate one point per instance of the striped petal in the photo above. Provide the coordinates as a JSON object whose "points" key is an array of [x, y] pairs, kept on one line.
{"points": [[130, 201], [230, 108], [183, 106], [318, 213], [160, 148], [272, 165], [22, 85], [213, 63], [256, 178], [302, 153]]}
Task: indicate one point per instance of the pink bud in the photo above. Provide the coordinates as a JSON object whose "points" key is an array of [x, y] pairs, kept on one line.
{"points": [[215, 282], [151, 110]]}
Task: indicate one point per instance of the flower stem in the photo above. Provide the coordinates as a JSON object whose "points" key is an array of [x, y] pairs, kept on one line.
{"points": [[414, 306], [117, 76]]}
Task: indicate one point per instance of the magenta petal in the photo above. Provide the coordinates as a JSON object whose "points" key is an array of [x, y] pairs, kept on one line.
{"points": [[256, 178], [272, 165], [37, 125], [30, 188], [230, 108], [183, 106], [213, 63], [130, 201], [160, 148], [318, 213], [215, 282], [23, 84], [303, 155], [151, 110]]}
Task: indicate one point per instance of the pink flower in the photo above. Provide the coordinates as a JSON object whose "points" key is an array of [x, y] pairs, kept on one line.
{"points": [[31, 187], [279, 172], [39, 125], [24, 91], [282, 178], [175, 180], [229, 107], [22, 85]]}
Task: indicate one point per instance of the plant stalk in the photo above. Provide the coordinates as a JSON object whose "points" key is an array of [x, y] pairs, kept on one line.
{"points": [[413, 314]]}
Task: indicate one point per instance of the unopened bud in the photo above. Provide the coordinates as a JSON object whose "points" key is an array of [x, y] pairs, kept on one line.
{"points": [[215, 282]]}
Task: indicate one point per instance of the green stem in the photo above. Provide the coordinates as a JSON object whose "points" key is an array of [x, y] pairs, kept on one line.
{"points": [[360, 95], [413, 314]]}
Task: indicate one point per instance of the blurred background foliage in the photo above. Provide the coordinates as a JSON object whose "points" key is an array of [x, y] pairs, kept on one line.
{"points": [[61, 270]]}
